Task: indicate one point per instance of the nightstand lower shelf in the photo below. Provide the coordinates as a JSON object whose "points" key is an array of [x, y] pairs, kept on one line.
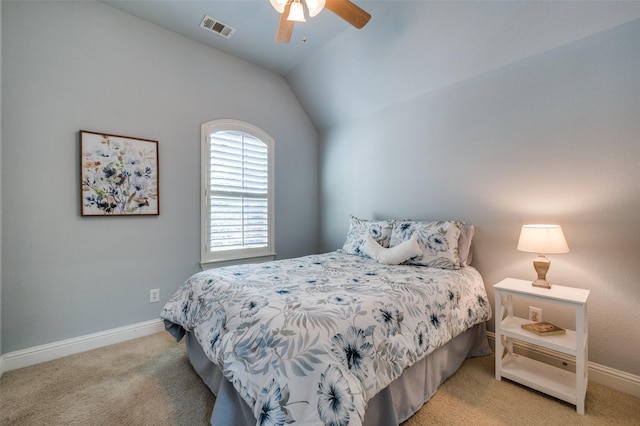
{"points": [[545, 378]]}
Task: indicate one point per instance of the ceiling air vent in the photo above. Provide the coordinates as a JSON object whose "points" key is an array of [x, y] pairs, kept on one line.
{"points": [[215, 26]]}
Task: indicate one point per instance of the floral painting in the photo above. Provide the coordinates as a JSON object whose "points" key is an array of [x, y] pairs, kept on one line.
{"points": [[119, 175]]}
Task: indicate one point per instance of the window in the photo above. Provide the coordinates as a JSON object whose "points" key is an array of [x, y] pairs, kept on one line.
{"points": [[237, 191]]}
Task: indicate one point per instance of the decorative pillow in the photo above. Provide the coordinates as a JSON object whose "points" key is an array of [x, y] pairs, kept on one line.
{"points": [[380, 230], [437, 240], [464, 244], [394, 255]]}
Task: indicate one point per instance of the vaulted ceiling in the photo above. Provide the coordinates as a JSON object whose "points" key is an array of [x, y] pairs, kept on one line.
{"points": [[254, 21], [408, 48]]}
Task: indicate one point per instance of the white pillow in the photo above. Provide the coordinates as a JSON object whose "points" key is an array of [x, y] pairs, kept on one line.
{"points": [[393, 255]]}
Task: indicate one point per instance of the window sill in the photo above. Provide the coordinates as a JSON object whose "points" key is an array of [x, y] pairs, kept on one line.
{"points": [[210, 264]]}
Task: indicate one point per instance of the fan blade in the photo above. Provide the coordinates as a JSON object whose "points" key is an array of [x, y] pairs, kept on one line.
{"points": [[349, 12], [285, 27]]}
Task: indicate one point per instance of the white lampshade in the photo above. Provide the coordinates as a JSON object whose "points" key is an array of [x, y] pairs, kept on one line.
{"points": [[315, 6], [296, 13], [279, 5], [542, 239]]}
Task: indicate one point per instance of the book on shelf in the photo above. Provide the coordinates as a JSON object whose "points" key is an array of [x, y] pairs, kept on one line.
{"points": [[543, 328]]}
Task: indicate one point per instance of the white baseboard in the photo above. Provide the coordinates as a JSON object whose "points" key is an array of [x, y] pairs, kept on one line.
{"points": [[37, 354], [605, 376]]}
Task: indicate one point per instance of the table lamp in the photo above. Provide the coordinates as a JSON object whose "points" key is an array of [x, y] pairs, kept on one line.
{"points": [[542, 239]]}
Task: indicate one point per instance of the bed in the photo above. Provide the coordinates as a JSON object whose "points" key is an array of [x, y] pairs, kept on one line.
{"points": [[360, 336]]}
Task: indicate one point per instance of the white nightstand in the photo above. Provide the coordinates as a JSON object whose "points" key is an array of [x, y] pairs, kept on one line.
{"points": [[562, 384]]}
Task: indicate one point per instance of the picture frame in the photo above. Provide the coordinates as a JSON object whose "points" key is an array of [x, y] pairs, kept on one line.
{"points": [[118, 175]]}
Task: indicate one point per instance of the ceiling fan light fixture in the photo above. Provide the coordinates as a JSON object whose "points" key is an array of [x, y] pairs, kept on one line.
{"points": [[296, 13], [315, 6], [279, 5]]}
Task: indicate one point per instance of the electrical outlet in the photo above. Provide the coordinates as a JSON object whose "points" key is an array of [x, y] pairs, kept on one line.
{"points": [[535, 314], [154, 295]]}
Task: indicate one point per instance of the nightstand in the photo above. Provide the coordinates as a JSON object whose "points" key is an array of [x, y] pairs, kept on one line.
{"points": [[559, 383]]}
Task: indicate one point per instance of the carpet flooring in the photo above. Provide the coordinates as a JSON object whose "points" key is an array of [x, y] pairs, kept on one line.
{"points": [[149, 381]]}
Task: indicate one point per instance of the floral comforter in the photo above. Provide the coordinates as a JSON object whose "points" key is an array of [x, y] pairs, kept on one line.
{"points": [[310, 340]]}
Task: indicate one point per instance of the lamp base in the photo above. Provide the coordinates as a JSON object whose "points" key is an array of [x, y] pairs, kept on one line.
{"points": [[541, 265], [541, 283]]}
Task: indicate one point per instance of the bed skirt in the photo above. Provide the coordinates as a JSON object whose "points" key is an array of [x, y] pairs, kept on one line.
{"points": [[391, 406]]}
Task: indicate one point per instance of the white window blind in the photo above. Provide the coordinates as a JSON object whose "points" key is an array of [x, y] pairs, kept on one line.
{"points": [[237, 194], [239, 189]]}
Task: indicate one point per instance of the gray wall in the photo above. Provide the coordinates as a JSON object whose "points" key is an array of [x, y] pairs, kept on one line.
{"points": [[0, 181], [83, 65], [551, 138]]}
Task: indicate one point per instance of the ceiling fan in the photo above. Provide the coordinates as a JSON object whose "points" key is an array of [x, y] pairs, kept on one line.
{"points": [[292, 11]]}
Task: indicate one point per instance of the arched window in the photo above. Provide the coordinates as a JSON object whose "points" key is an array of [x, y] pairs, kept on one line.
{"points": [[237, 193]]}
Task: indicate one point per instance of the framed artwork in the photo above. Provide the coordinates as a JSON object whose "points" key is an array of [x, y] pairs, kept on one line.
{"points": [[118, 175]]}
